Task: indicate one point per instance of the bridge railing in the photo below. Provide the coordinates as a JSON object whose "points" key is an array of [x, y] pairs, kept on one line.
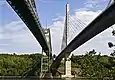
{"points": [[33, 11], [34, 14]]}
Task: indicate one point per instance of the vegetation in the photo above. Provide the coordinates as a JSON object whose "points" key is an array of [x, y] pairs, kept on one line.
{"points": [[94, 65], [16, 65], [91, 65]]}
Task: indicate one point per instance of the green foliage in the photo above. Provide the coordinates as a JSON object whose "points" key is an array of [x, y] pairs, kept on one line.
{"points": [[16, 65], [93, 65]]}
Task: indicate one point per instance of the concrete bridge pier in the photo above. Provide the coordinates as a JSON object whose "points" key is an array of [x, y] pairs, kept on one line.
{"points": [[67, 69]]}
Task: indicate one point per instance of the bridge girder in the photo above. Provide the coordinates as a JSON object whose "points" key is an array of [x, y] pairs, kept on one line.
{"points": [[102, 22], [27, 13]]}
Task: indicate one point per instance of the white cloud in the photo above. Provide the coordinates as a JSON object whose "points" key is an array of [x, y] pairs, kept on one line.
{"points": [[56, 35], [15, 37], [86, 16], [58, 26], [99, 43], [96, 4]]}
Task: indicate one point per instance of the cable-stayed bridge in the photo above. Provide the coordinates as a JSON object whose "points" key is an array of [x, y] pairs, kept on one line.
{"points": [[26, 10]]}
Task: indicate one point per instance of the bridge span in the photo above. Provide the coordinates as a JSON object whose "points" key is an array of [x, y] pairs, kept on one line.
{"points": [[102, 22], [26, 11]]}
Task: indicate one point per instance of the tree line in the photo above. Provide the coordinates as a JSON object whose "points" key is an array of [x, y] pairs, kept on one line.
{"points": [[94, 65], [16, 65], [91, 64]]}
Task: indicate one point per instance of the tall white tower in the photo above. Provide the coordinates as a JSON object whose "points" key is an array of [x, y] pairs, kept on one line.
{"points": [[67, 62], [67, 20], [66, 29]]}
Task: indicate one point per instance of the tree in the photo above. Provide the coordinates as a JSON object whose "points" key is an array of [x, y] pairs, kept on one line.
{"points": [[113, 54]]}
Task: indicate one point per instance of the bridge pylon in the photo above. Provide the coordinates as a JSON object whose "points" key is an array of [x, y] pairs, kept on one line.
{"points": [[46, 60], [65, 40]]}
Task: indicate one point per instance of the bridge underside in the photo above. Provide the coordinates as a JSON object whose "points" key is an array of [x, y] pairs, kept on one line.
{"points": [[102, 22], [27, 14]]}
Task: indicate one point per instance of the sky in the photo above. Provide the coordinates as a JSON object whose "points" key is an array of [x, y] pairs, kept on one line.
{"points": [[15, 36]]}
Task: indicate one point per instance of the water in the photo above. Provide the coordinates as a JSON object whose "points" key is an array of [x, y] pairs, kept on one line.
{"points": [[67, 79], [50, 79]]}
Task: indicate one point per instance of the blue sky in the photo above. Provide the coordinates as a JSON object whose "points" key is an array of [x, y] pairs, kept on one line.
{"points": [[15, 36], [49, 9]]}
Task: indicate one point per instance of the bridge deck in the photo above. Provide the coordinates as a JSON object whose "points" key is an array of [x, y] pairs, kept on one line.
{"points": [[102, 22], [28, 15]]}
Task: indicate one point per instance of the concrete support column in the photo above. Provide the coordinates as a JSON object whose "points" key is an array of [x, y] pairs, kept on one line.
{"points": [[67, 68]]}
